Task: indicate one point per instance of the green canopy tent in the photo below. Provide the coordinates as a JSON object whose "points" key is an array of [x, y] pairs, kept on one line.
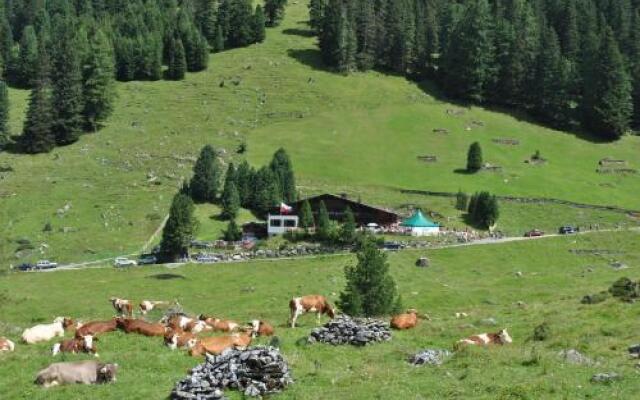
{"points": [[419, 225]]}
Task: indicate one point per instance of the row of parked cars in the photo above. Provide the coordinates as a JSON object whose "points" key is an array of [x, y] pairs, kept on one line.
{"points": [[40, 265], [564, 230], [144, 259]]}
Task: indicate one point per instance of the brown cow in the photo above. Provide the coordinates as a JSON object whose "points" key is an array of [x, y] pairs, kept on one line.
{"points": [[407, 320], [122, 306], [218, 344], [485, 339], [141, 327], [219, 325], [261, 328], [177, 339], [76, 345], [306, 304], [96, 327], [6, 344]]}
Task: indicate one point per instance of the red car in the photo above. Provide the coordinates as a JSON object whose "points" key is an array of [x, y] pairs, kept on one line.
{"points": [[534, 233]]}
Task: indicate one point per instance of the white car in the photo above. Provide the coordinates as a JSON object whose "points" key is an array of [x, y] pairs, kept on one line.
{"points": [[121, 262], [206, 259], [46, 264]]}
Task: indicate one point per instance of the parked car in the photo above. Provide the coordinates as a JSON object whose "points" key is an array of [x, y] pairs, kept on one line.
{"points": [[121, 262], [534, 233], [568, 230], [46, 264], [206, 259], [147, 259], [392, 246], [25, 267]]}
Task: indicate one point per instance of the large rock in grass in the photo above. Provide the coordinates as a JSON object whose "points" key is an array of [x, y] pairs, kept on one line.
{"points": [[345, 330]]}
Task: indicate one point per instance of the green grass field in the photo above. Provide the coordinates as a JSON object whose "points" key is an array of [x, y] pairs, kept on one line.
{"points": [[478, 280]]}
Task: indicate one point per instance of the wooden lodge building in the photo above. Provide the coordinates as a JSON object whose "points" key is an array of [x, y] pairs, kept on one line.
{"points": [[282, 220]]}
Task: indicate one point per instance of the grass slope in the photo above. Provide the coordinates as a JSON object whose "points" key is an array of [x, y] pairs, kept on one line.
{"points": [[360, 132], [479, 280]]}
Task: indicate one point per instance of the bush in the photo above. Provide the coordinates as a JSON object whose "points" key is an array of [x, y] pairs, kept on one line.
{"points": [[474, 158], [542, 332], [595, 298], [462, 201], [625, 289]]}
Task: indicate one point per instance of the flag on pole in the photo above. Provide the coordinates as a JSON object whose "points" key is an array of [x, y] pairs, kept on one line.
{"points": [[285, 209]]}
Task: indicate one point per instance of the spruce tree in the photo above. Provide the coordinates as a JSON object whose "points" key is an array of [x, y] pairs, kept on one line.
{"points": [[240, 20], [207, 19], [233, 233], [609, 104], [283, 171], [244, 180], [316, 13], [230, 200], [4, 115], [177, 61], [462, 201], [634, 59], [265, 194], [27, 57], [370, 290], [274, 11], [474, 158], [219, 40], [306, 216], [98, 81], [179, 229], [206, 175], [6, 38], [348, 228], [259, 23], [323, 225]]}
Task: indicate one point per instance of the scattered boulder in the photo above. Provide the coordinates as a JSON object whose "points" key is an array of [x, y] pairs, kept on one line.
{"points": [[634, 350], [573, 356], [356, 331], [429, 357], [595, 298], [489, 322], [605, 377], [625, 289], [423, 262]]}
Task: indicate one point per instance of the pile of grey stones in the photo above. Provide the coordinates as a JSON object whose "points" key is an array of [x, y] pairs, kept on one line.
{"points": [[429, 357], [255, 372], [355, 331]]}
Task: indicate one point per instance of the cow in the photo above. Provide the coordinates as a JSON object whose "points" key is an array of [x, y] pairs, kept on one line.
{"points": [[177, 339], [460, 315], [407, 320], [84, 372], [76, 345], [306, 304], [123, 307], [46, 332], [261, 328], [219, 325], [141, 327], [96, 327], [177, 321], [485, 339], [148, 305], [218, 344], [6, 344]]}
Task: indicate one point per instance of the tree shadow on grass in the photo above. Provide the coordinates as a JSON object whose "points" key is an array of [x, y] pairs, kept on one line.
{"points": [[309, 57], [166, 277], [463, 171], [299, 32]]}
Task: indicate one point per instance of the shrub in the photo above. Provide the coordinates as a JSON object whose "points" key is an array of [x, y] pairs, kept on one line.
{"points": [[474, 158], [541, 332]]}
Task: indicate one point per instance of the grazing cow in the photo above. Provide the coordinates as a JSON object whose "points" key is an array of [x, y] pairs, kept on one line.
{"points": [[177, 321], [306, 304], [485, 339], [96, 327], [123, 307], [461, 315], [261, 328], [407, 320], [177, 339], [148, 305], [6, 344], [141, 327], [45, 332], [219, 325], [76, 345], [84, 372], [218, 344]]}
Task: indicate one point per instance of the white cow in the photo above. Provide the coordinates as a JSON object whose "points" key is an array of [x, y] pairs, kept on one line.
{"points": [[46, 332], [6, 344]]}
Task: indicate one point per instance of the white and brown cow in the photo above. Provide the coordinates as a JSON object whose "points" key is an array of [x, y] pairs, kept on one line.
{"points": [[261, 328], [147, 306], [45, 332], [6, 344], [123, 307], [219, 325], [178, 339], [84, 372], [309, 304], [486, 339], [76, 345]]}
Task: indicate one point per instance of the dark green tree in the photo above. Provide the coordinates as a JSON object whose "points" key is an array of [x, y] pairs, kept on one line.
{"points": [[306, 216], [4, 115], [98, 80], [206, 15], [316, 13], [240, 23], [206, 176], [274, 11], [244, 183], [474, 158], [348, 228], [265, 194], [323, 224], [177, 61], [259, 22], [230, 200], [283, 170], [233, 233], [462, 201], [218, 44], [28, 57], [484, 210], [370, 289], [179, 229]]}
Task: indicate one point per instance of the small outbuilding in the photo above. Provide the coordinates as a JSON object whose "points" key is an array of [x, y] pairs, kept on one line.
{"points": [[419, 225]]}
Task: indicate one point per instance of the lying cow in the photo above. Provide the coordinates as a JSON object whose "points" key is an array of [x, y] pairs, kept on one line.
{"points": [[46, 332], [147, 306], [76, 345], [122, 306], [6, 344], [218, 344], [309, 304], [141, 327], [177, 339], [261, 328], [407, 320], [95, 327], [84, 372], [485, 339], [219, 325]]}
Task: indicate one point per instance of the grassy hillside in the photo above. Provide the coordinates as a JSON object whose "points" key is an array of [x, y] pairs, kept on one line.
{"points": [[360, 134], [479, 280]]}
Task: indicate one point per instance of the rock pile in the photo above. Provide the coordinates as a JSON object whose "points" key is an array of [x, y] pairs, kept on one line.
{"points": [[573, 356], [429, 357], [254, 372], [605, 377], [357, 331]]}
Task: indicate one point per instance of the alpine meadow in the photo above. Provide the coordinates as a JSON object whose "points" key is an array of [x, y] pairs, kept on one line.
{"points": [[332, 199]]}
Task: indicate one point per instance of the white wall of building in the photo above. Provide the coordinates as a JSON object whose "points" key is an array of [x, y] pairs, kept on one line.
{"points": [[280, 224], [430, 231]]}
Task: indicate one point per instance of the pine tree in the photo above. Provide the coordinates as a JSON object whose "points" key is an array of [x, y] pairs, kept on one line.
{"points": [[609, 105], [274, 11], [207, 19], [179, 229], [348, 228], [66, 78], [4, 116], [206, 175], [219, 40], [265, 191], [244, 180], [462, 201], [365, 35], [316, 13], [27, 57], [306, 216], [98, 81], [370, 290], [474, 158], [323, 225], [6, 38], [240, 20], [484, 210], [230, 200], [283, 171], [233, 233], [177, 61], [259, 23], [634, 58]]}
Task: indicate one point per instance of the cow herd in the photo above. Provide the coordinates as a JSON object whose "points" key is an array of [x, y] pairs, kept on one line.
{"points": [[180, 331]]}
